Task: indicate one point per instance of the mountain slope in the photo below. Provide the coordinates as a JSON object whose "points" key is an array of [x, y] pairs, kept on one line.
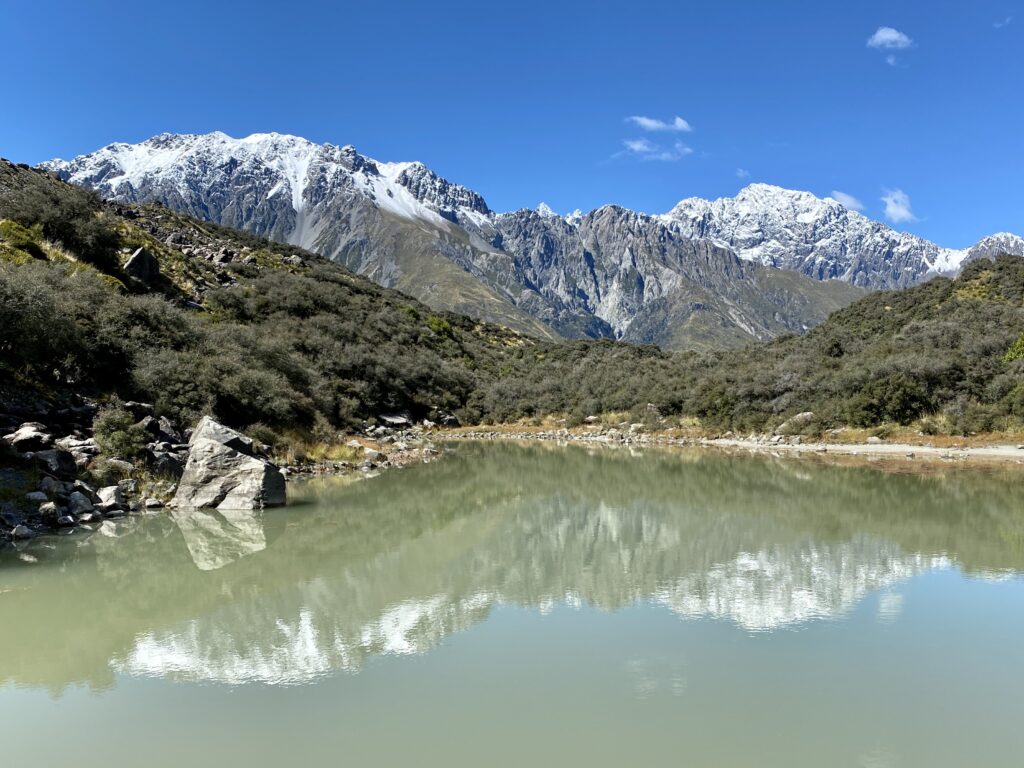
{"points": [[611, 273]]}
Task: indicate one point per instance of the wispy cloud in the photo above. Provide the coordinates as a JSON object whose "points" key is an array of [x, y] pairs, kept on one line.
{"points": [[640, 146], [891, 59], [889, 39], [644, 149], [897, 206], [1003, 23], [676, 124], [742, 173], [847, 201]]}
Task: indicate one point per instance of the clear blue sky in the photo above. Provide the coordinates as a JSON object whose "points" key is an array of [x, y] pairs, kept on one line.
{"points": [[529, 101]]}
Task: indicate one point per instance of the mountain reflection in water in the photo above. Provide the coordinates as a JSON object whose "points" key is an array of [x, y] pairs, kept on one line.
{"points": [[395, 564]]}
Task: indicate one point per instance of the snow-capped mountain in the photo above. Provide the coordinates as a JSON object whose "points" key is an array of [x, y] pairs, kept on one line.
{"points": [[822, 238], [703, 274]]}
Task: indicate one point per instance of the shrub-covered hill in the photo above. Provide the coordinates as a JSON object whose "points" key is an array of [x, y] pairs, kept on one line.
{"points": [[948, 353], [205, 319], [232, 324]]}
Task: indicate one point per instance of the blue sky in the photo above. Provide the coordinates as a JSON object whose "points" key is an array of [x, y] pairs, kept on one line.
{"points": [[531, 101]]}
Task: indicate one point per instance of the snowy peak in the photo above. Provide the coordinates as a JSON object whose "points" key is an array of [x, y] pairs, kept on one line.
{"points": [[819, 237], [271, 166], [995, 245]]}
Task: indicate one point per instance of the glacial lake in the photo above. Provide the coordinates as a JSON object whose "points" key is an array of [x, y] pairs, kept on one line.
{"points": [[535, 605]]}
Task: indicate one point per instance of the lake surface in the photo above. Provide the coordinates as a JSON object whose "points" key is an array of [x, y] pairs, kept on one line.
{"points": [[535, 605]]}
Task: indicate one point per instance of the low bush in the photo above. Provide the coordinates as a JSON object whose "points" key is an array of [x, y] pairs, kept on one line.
{"points": [[117, 434]]}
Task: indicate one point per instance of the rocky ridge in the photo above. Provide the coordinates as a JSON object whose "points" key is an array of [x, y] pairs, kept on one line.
{"points": [[611, 273]]}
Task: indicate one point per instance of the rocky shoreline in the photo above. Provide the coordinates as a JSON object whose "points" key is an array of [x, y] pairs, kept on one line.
{"points": [[51, 484], [635, 435]]}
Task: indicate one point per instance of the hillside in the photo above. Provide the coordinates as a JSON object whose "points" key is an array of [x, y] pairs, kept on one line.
{"points": [[947, 355], [206, 319], [217, 321], [611, 273]]}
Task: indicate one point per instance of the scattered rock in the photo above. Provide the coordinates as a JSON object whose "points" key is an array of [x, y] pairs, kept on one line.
{"points": [[37, 497], [21, 532], [152, 503], [874, 440]]}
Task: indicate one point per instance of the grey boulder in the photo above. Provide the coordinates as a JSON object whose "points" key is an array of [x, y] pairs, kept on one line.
{"points": [[111, 496], [222, 471], [795, 423], [143, 266], [31, 436], [57, 462], [80, 503]]}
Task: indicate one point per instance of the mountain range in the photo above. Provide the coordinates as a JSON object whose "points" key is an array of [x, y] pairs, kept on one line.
{"points": [[706, 274]]}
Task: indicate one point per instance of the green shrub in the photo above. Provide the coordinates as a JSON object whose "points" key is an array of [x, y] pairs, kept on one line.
{"points": [[1015, 352], [68, 216], [117, 434], [20, 238]]}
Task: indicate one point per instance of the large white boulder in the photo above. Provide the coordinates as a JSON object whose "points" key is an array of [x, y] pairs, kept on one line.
{"points": [[222, 471]]}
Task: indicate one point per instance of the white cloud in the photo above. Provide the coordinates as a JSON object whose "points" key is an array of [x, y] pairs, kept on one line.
{"points": [[676, 124], [648, 150], [1003, 23], [897, 206], [847, 201], [742, 173], [889, 39], [676, 152], [640, 146], [891, 59]]}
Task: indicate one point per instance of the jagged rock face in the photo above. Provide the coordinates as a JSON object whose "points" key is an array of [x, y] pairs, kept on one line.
{"points": [[427, 187], [614, 272], [822, 238]]}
